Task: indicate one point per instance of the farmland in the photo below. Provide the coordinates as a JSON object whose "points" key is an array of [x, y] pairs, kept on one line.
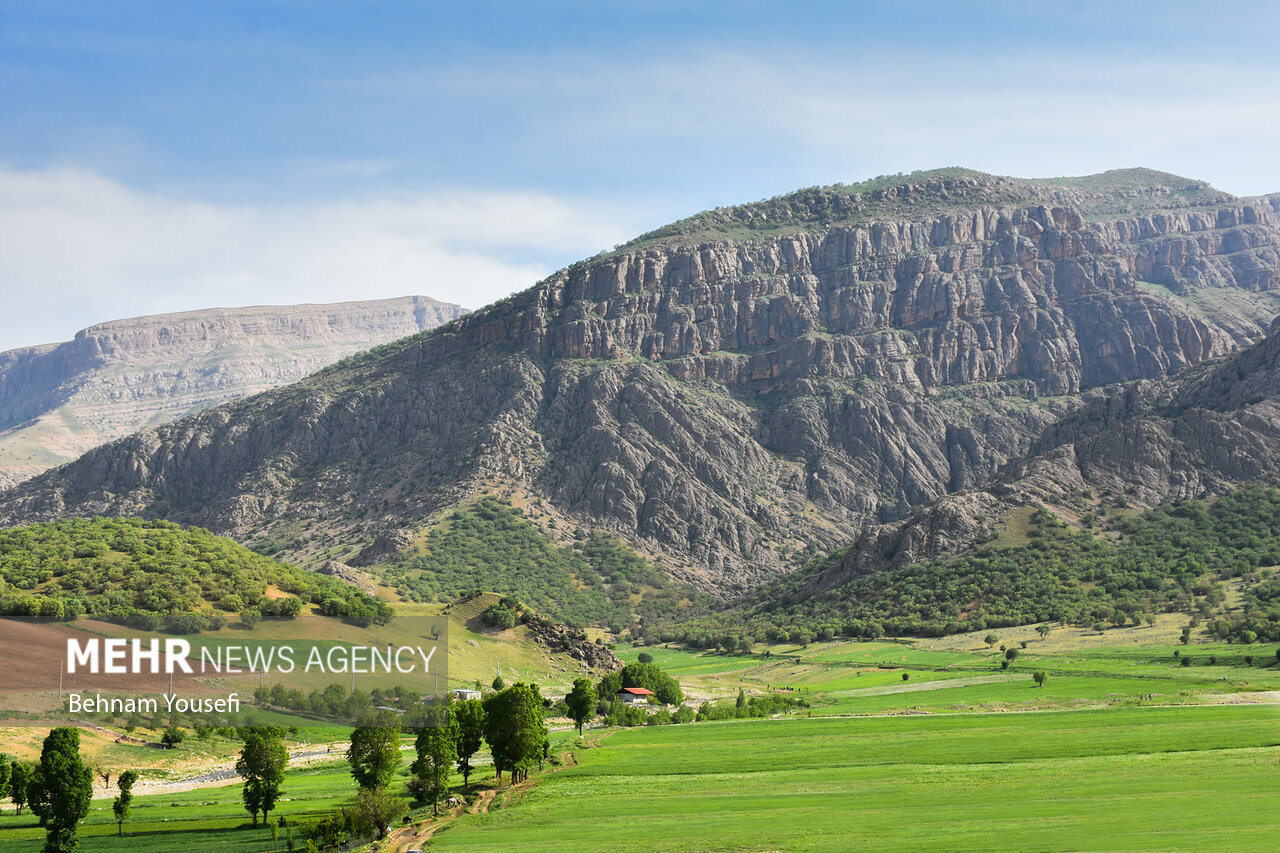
{"points": [[1122, 748], [1192, 778]]}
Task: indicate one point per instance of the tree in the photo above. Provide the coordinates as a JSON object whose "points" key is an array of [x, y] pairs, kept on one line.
{"points": [[377, 810], [437, 749], [498, 683], [991, 639], [646, 675], [6, 773], [121, 804], [469, 717], [172, 737], [1043, 630], [60, 789], [1040, 677], [515, 729], [19, 779], [1186, 634], [582, 702], [906, 676], [261, 765], [374, 753], [644, 657], [1011, 654]]}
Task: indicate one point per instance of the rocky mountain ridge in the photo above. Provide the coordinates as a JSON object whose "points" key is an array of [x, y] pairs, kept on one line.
{"points": [[726, 397], [1205, 433], [59, 400]]}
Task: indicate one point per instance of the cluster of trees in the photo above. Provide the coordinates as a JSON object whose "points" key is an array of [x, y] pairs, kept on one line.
{"points": [[1172, 558], [446, 739], [750, 706], [493, 545], [647, 675], [155, 575], [58, 789], [335, 700]]}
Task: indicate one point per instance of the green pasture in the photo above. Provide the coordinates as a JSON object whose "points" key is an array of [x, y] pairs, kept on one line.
{"points": [[206, 819], [1172, 778]]}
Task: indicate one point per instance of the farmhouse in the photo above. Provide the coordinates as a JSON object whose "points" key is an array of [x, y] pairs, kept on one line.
{"points": [[635, 695], [464, 694]]}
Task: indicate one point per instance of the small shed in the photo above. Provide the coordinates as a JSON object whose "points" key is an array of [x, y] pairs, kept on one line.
{"points": [[635, 695], [465, 694]]}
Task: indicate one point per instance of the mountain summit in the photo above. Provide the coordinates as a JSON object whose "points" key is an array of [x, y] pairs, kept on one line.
{"points": [[736, 389]]}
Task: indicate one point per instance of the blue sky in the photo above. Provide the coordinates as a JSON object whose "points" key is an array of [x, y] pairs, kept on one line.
{"points": [[162, 156]]}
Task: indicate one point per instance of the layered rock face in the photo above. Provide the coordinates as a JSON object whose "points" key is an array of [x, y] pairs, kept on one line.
{"points": [[59, 400], [1206, 432], [729, 389]]}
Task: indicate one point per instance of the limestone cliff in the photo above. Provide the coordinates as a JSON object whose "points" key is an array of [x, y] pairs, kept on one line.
{"points": [[59, 400]]}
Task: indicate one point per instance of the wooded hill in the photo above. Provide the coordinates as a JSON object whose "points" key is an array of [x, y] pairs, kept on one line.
{"points": [[156, 575]]}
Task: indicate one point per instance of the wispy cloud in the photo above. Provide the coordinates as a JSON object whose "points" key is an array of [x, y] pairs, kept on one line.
{"points": [[77, 248]]}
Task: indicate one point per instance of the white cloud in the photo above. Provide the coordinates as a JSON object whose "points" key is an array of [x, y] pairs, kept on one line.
{"points": [[77, 248]]}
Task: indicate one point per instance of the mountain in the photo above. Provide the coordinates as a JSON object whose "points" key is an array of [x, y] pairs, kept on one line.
{"points": [[733, 392], [1065, 524], [59, 400]]}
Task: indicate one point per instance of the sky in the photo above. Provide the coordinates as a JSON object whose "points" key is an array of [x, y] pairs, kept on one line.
{"points": [[161, 156]]}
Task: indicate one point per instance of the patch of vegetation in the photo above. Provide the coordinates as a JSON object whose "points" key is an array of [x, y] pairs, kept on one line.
{"points": [[492, 545], [1168, 559], [155, 574]]}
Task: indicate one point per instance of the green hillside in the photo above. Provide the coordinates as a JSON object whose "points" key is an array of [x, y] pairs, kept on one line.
{"points": [[1116, 570], [492, 545], [156, 574]]}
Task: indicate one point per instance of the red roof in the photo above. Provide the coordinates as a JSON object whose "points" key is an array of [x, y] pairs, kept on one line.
{"points": [[637, 691]]}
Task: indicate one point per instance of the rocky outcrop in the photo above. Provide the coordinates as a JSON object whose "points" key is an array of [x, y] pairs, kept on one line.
{"points": [[573, 643], [725, 398], [345, 573], [59, 400], [1207, 432]]}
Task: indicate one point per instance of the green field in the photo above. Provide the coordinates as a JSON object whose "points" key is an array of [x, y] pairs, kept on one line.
{"points": [[207, 819], [1189, 778], [1123, 748]]}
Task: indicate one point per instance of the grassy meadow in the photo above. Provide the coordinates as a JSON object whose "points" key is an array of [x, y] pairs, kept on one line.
{"points": [[1122, 748]]}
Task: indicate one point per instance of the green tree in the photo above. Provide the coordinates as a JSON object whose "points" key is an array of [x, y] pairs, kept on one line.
{"points": [[1040, 677], [1011, 654], [261, 764], [6, 773], [644, 657], [121, 804], [582, 702], [19, 779], [437, 750], [515, 729], [498, 683], [1043, 630], [377, 810], [646, 675], [991, 639], [60, 790], [374, 753], [469, 716]]}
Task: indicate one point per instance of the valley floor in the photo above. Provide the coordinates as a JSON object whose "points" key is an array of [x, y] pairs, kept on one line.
{"points": [[1122, 748]]}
